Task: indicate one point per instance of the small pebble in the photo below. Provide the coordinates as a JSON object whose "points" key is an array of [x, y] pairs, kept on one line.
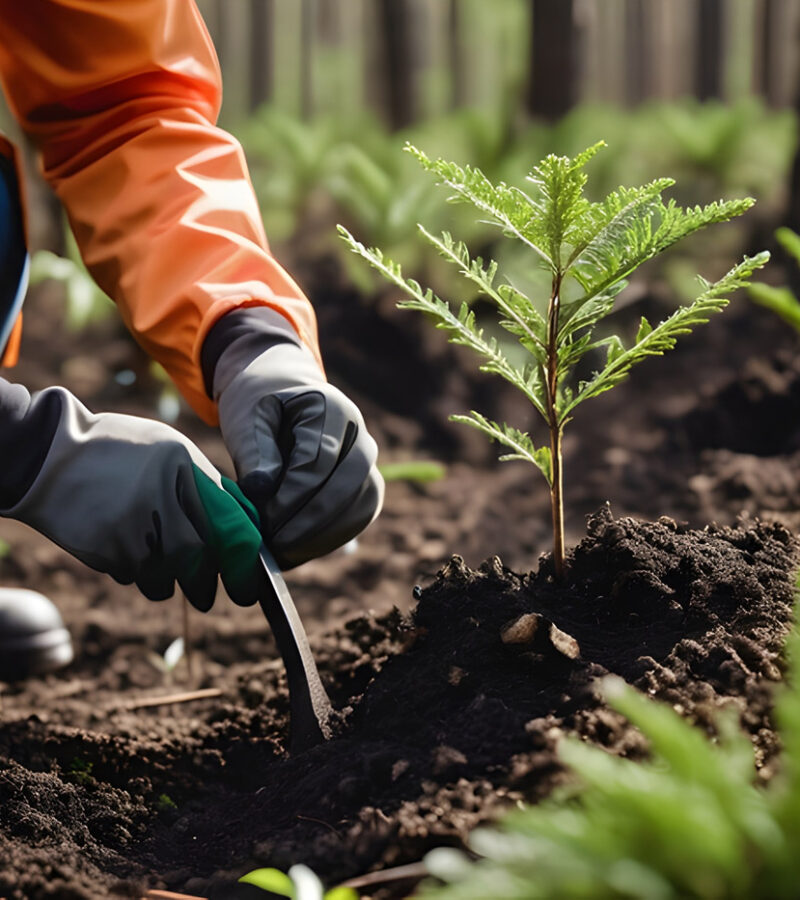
{"points": [[522, 630], [564, 643]]}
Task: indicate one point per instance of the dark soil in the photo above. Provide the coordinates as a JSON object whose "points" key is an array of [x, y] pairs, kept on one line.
{"points": [[448, 723]]}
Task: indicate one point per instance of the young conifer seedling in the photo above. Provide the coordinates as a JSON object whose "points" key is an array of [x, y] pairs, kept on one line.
{"points": [[589, 250]]}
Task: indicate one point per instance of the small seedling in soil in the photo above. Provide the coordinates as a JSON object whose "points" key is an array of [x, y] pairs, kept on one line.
{"points": [[81, 770], [589, 250], [165, 803], [301, 883]]}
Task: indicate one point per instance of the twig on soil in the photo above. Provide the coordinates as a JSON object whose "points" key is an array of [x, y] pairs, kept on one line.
{"points": [[385, 876], [169, 895], [169, 699], [320, 822]]}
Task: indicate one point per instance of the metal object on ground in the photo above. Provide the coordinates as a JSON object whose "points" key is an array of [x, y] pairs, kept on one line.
{"points": [[33, 639], [310, 708]]}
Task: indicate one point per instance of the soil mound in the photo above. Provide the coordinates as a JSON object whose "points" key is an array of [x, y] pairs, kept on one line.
{"points": [[456, 710]]}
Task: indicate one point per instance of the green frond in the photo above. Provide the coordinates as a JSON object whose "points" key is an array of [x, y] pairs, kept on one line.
{"points": [[524, 320], [520, 443], [507, 207], [605, 224], [644, 237], [586, 313], [678, 223], [461, 327], [656, 341]]}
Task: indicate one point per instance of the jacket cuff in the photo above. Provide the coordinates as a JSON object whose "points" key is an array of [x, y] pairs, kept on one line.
{"points": [[253, 329]]}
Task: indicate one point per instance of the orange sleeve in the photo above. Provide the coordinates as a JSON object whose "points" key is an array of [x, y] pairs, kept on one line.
{"points": [[121, 97]]}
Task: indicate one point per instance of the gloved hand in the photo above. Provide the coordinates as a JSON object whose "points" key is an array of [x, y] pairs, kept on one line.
{"points": [[127, 496], [300, 447]]}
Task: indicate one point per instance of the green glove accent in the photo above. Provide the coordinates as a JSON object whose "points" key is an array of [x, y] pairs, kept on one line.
{"points": [[233, 537], [233, 488]]}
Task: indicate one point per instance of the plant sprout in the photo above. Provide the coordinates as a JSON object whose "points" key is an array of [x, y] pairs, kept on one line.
{"points": [[300, 884], [589, 249]]}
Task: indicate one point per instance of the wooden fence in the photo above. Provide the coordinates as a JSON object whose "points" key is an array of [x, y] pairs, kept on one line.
{"points": [[414, 58]]}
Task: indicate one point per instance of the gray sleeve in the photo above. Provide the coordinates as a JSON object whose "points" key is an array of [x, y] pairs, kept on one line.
{"points": [[27, 427]]}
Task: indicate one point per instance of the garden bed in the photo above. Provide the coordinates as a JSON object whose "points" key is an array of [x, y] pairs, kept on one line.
{"points": [[449, 723]]}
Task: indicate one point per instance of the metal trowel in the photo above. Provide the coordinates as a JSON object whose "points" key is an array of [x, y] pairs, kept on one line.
{"points": [[309, 707]]}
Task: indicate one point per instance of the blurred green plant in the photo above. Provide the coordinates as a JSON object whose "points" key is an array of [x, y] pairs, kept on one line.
{"points": [[588, 251], [419, 470], [690, 822], [780, 299], [301, 884], [81, 770], [85, 301], [165, 803], [309, 175]]}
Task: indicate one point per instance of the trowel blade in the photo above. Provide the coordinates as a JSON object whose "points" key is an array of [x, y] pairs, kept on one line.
{"points": [[310, 708]]}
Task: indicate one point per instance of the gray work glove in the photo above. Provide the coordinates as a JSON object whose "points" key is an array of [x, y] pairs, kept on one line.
{"points": [[130, 497], [302, 452]]}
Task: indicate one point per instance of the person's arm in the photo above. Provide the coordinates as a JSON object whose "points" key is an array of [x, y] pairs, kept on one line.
{"points": [[121, 100], [127, 496]]}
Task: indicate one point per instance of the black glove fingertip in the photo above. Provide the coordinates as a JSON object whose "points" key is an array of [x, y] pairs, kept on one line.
{"points": [[200, 588]]}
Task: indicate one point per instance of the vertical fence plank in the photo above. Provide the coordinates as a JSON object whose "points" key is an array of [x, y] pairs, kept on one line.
{"points": [[671, 43], [456, 55], [780, 40], [286, 45], [709, 30], [739, 56], [638, 52], [605, 76], [551, 83], [305, 56], [262, 27]]}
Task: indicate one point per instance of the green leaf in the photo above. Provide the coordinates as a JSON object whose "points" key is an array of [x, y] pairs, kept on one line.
{"points": [[615, 349], [270, 880], [778, 299], [560, 204], [644, 329], [648, 236], [790, 241], [506, 207], [341, 893], [412, 470], [605, 226], [664, 336], [519, 442], [524, 320], [588, 311], [461, 327]]}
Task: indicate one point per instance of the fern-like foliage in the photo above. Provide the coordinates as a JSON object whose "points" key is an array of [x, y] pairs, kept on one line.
{"points": [[595, 246], [589, 249], [689, 823]]}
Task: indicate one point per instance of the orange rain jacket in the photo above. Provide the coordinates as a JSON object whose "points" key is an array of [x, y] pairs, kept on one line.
{"points": [[121, 97]]}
